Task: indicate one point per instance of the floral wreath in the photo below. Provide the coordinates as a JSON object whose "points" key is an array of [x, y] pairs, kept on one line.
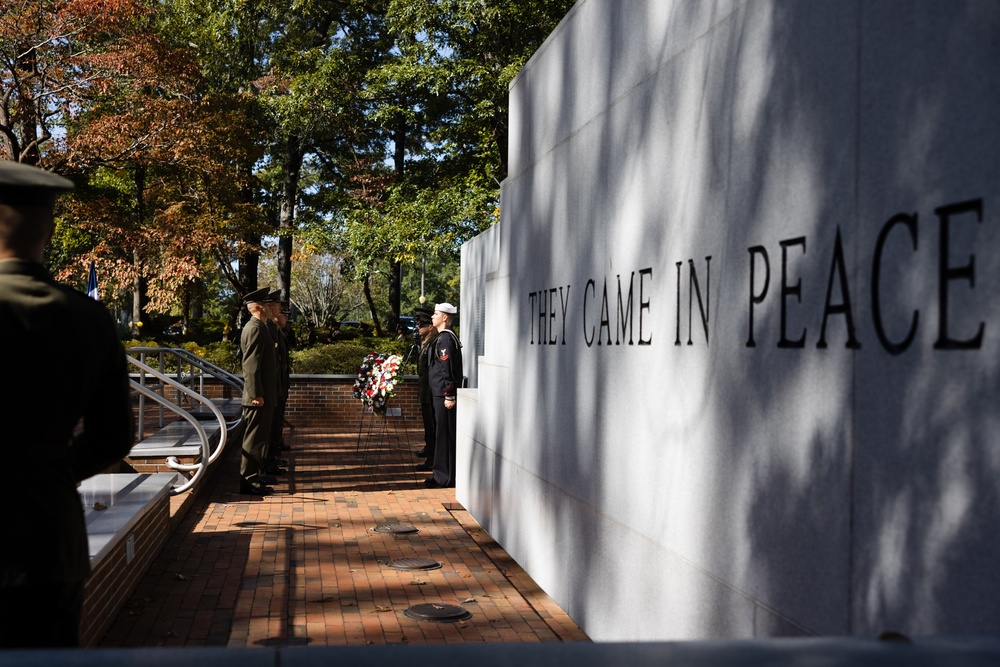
{"points": [[377, 378]]}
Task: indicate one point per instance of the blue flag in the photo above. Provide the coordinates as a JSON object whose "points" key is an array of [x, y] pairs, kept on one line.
{"points": [[92, 284]]}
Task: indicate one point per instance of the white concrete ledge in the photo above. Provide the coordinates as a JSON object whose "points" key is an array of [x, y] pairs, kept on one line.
{"points": [[125, 498]]}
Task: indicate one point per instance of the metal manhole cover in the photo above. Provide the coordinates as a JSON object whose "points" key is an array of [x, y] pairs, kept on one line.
{"points": [[442, 613], [396, 529], [414, 564]]}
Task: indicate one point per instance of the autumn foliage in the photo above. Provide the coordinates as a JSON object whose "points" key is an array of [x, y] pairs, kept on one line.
{"points": [[197, 129]]}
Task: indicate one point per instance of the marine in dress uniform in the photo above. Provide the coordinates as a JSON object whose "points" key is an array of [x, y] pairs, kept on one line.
{"points": [[63, 366], [445, 377], [260, 392], [273, 464]]}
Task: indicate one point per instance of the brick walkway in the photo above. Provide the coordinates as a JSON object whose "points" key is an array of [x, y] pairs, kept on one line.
{"points": [[305, 566]]}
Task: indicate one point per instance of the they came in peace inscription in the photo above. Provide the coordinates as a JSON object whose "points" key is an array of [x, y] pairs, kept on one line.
{"points": [[618, 311]]}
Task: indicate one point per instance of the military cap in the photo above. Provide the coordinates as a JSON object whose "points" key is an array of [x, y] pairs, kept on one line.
{"points": [[25, 185], [274, 296], [257, 296], [446, 308], [423, 311]]}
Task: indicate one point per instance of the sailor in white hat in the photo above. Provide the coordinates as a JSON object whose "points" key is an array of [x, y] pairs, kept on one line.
{"points": [[446, 377]]}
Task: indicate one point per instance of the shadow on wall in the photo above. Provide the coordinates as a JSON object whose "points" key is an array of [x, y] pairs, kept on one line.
{"points": [[848, 489]]}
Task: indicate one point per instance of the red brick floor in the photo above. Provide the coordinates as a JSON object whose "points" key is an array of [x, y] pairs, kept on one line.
{"points": [[305, 567]]}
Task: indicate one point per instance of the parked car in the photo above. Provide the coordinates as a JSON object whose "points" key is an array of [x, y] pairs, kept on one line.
{"points": [[409, 324]]}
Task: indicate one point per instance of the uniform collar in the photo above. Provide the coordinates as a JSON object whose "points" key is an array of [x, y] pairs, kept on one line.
{"points": [[24, 267]]}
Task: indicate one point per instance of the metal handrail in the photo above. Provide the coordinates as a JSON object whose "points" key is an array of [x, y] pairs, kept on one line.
{"points": [[207, 455], [233, 380], [198, 368]]}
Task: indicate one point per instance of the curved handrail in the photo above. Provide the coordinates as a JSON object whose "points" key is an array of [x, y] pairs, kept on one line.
{"points": [[207, 455]]}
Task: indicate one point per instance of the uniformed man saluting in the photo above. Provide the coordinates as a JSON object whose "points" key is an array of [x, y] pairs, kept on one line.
{"points": [[63, 366], [445, 377], [260, 392]]}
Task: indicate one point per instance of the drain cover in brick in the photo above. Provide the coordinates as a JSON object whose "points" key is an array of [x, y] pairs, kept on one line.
{"points": [[414, 564], [441, 613], [396, 529]]}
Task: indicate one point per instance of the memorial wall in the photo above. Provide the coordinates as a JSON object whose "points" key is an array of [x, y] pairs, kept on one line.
{"points": [[738, 330]]}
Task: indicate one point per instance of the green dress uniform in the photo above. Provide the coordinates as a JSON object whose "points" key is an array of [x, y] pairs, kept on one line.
{"points": [[64, 366], [259, 379], [284, 383]]}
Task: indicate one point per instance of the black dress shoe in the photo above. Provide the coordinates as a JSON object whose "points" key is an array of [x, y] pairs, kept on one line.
{"points": [[255, 489], [267, 479], [422, 452], [281, 462], [276, 470], [424, 466], [433, 484]]}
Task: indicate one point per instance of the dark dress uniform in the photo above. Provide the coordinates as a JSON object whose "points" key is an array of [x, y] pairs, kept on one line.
{"points": [[259, 379], [445, 375], [63, 365], [424, 394], [283, 376]]}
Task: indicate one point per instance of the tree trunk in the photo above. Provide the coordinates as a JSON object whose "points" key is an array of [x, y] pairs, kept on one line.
{"points": [[249, 261], [198, 300], [395, 289], [140, 297], [371, 307], [27, 125], [139, 283], [395, 267], [292, 168]]}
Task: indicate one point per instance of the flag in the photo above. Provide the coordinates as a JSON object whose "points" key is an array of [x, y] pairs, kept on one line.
{"points": [[92, 284]]}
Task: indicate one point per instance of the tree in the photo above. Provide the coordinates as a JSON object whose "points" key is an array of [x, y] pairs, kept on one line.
{"points": [[300, 63], [441, 101], [320, 292], [53, 54], [163, 187]]}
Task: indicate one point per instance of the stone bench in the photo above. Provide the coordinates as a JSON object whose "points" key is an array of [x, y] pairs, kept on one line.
{"points": [[231, 409], [179, 439]]}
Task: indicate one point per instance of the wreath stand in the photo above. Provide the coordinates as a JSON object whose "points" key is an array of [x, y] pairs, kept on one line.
{"points": [[378, 436]]}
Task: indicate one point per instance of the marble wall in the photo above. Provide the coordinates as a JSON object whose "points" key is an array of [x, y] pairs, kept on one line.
{"points": [[739, 365]]}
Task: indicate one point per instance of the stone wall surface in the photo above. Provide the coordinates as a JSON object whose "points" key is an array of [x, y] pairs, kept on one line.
{"points": [[741, 348]]}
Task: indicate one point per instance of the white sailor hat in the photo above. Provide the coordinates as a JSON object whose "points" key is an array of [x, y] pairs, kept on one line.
{"points": [[446, 308]]}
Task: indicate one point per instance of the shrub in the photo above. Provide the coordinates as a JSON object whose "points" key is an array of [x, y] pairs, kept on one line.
{"points": [[344, 358], [336, 359], [224, 354], [220, 353]]}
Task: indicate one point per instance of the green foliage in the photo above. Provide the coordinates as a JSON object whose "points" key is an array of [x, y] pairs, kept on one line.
{"points": [[336, 358], [223, 354], [441, 283], [398, 107], [345, 358]]}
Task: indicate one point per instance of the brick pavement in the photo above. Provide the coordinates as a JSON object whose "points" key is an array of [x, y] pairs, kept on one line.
{"points": [[305, 567]]}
